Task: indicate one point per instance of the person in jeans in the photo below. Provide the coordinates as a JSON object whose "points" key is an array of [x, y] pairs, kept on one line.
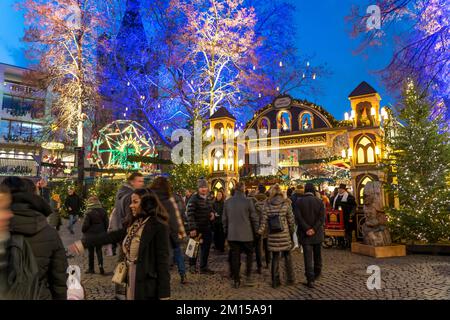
{"points": [[73, 206], [200, 214], [310, 217], [95, 223], [240, 223], [278, 210]]}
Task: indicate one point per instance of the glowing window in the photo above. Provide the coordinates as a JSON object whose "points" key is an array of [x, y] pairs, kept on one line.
{"points": [[361, 158], [370, 155], [264, 124], [306, 121], [284, 121], [362, 184], [365, 151]]}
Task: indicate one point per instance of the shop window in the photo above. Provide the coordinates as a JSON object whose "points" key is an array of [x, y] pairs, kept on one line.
{"points": [[306, 121], [284, 121], [36, 131], [4, 129]]}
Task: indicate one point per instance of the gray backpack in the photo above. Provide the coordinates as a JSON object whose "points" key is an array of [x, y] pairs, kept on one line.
{"points": [[22, 271]]}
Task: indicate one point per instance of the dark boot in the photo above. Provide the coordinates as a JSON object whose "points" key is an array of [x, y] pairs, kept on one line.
{"points": [[102, 271], [183, 279], [90, 271]]}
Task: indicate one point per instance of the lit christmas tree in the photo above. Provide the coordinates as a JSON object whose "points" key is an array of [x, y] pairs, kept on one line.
{"points": [[185, 176], [419, 160]]}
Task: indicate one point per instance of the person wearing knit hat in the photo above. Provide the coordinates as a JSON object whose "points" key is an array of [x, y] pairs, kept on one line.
{"points": [[95, 223], [202, 183], [200, 214]]}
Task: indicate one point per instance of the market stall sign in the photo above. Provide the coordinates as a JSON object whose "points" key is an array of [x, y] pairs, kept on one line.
{"points": [[52, 145], [282, 102]]}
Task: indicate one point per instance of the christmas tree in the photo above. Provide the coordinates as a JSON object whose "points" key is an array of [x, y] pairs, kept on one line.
{"points": [[418, 152], [185, 176]]}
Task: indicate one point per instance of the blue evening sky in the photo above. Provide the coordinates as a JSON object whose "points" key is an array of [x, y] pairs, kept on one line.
{"points": [[321, 30]]}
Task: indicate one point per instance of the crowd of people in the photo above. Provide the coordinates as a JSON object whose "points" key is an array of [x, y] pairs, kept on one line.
{"points": [[149, 226]]}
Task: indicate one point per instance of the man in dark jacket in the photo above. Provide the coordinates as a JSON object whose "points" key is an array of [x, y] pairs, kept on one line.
{"points": [[73, 206], [200, 214], [123, 199], [30, 220], [261, 242], [240, 223], [95, 223], [310, 217], [346, 202]]}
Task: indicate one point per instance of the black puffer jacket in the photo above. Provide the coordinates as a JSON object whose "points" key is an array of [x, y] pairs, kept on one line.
{"points": [[73, 202], [95, 222], [44, 240], [198, 213]]}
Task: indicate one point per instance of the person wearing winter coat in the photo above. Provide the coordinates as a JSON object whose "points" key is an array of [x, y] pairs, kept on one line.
{"points": [[278, 210], [310, 218], [347, 203], [219, 236], [95, 223], [240, 224], [73, 206], [261, 242], [29, 219], [200, 214], [145, 244], [123, 200], [163, 190]]}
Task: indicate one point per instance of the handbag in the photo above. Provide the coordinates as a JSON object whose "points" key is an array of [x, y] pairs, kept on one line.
{"points": [[120, 273], [193, 247], [275, 224]]}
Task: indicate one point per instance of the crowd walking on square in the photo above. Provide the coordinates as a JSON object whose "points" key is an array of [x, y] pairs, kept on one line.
{"points": [[149, 227]]}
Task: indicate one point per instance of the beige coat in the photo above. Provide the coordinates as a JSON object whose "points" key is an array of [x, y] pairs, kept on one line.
{"points": [[281, 241]]}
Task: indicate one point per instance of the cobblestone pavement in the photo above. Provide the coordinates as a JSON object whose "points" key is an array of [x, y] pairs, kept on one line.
{"points": [[344, 277]]}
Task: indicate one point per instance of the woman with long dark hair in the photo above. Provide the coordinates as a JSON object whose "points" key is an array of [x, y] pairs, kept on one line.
{"points": [[162, 188], [145, 243]]}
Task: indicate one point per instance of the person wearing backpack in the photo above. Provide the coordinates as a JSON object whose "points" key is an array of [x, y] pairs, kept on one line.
{"points": [[36, 244], [279, 221], [95, 223]]}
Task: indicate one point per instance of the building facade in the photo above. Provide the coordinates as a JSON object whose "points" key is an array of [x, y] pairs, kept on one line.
{"points": [[308, 143], [24, 110]]}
